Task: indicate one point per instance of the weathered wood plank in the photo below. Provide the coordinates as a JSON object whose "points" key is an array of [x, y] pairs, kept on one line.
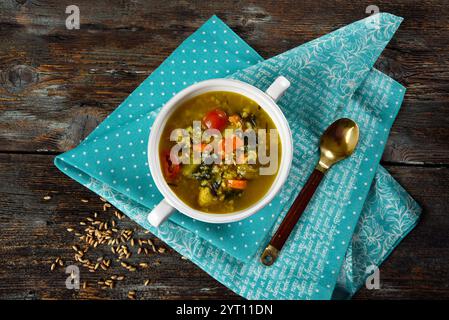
{"points": [[56, 84], [34, 233]]}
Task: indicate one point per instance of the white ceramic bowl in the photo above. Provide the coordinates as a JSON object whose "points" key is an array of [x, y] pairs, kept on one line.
{"points": [[267, 100]]}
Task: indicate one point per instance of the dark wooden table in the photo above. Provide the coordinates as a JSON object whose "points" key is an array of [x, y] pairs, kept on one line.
{"points": [[56, 85]]}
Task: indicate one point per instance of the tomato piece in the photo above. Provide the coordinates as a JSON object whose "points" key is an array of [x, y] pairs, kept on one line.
{"points": [[216, 119], [170, 169], [237, 184]]}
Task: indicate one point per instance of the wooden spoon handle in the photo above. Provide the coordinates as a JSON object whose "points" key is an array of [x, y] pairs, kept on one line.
{"points": [[283, 232]]}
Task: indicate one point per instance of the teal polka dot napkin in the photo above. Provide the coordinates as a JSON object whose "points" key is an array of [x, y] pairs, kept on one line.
{"points": [[359, 213]]}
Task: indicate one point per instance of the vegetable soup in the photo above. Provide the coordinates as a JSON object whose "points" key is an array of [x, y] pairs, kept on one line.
{"points": [[233, 181]]}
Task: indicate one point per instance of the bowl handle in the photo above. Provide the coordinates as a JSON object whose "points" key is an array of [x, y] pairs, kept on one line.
{"points": [[278, 87], [160, 213]]}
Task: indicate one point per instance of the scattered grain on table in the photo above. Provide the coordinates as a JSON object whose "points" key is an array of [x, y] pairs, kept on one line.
{"points": [[102, 245]]}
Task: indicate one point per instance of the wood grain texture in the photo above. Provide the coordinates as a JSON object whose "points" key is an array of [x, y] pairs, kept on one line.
{"points": [[34, 233], [56, 85]]}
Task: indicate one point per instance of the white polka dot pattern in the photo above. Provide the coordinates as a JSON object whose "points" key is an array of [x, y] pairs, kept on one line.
{"points": [[327, 82]]}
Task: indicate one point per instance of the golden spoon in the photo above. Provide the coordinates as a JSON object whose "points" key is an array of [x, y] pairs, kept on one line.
{"points": [[337, 143]]}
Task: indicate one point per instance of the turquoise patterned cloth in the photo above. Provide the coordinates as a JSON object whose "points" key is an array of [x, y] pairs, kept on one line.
{"points": [[359, 213]]}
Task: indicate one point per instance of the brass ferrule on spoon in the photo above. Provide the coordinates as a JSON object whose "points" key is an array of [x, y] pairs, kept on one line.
{"points": [[337, 143]]}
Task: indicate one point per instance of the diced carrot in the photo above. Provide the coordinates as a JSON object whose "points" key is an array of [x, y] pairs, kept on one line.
{"points": [[235, 118], [238, 142], [222, 148], [199, 147], [237, 184]]}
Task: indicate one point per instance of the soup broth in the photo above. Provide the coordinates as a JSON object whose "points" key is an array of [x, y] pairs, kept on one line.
{"points": [[218, 188]]}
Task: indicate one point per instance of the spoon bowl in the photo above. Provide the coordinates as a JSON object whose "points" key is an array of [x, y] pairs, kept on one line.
{"points": [[338, 142]]}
